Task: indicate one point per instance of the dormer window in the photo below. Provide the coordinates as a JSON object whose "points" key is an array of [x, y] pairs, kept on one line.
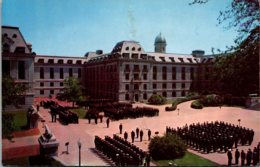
{"points": [[127, 48], [190, 60], [163, 59], [78, 62], [181, 60], [172, 59], [14, 36], [69, 61], [51, 61], [139, 49], [133, 49], [60, 61], [41, 61]]}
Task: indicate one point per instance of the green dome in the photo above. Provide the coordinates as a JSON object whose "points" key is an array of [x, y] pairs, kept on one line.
{"points": [[159, 39]]}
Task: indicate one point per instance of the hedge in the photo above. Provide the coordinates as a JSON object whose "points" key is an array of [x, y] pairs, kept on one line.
{"points": [[157, 99], [197, 104]]}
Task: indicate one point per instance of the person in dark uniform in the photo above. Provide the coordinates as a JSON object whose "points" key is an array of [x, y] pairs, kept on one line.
{"points": [[125, 135], [133, 136], [96, 119], [89, 119], [141, 135], [137, 132], [237, 155], [120, 128], [229, 154], [38, 107], [248, 157], [255, 160], [243, 157], [148, 159], [108, 120], [101, 118], [149, 134]]}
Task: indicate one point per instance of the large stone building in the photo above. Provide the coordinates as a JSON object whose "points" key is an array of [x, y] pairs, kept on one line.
{"points": [[128, 73]]}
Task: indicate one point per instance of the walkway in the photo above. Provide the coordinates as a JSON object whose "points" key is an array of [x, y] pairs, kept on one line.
{"points": [[85, 132]]}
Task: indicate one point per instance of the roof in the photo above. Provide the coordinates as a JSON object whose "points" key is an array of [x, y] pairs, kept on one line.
{"points": [[159, 39]]}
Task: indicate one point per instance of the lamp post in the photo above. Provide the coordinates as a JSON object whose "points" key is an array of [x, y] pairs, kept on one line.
{"points": [[79, 145], [239, 121], [178, 110]]}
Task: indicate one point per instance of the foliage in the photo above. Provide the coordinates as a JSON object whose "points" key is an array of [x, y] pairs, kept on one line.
{"points": [[211, 100], [172, 108], [81, 112], [7, 124], [190, 96], [166, 147], [197, 104], [11, 92], [72, 90], [157, 99], [13, 121], [188, 159]]}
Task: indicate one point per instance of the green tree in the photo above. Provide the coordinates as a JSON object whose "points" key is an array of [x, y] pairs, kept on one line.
{"points": [[167, 147], [12, 92], [72, 90]]}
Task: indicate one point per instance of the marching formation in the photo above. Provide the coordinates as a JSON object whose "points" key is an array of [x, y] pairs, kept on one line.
{"points": [[121, 152], [214, 136]]}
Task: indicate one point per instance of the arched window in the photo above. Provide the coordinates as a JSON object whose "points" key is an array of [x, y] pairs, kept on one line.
{"points": [[14, 35], [133, 49], [127, 48], [139, 49]]}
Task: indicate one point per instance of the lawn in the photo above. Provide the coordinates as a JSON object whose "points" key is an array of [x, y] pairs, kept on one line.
{"points": [[80, 111], [188, 159]]}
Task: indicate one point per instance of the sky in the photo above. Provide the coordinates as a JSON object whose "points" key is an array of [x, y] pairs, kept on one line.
{"points": [[75, 27]]}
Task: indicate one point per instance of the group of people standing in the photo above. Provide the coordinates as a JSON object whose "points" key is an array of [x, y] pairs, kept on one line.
{"points": [[137, 133], [246, 158]]}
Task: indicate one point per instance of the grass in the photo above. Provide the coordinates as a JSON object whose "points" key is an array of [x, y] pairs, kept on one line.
{"points": [[20, 119], [80, 111], [188, 159]]}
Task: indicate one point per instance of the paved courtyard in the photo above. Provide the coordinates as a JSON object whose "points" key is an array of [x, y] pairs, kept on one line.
{"points": [[86, 132]]}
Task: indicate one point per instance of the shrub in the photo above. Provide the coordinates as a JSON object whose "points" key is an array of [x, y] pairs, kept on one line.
{"points": [[157, 99], [8, 124], [196, 104], [212, 100], [170, 108], [166, 147]]}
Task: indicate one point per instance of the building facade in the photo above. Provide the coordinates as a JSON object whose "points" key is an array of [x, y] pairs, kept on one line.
{"points": [[128, 73]]}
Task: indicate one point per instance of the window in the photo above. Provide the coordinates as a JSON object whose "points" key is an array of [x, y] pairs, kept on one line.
{"points": [[51, 84], [164, 73], [127, 87], [61, 83], [182, 93], [190, 60], [79, 72], [136, 68], [61, 73], [21, 70], [60, 61], [145, 96], [173, 94], [191, 73], [70, 72], [174, 73], [181, 60], [136, 86], [183, 74], [6, 48], [162, 58], [133, 49], [164, 85], [127, 48], [51, 73], [145, 76], [51, 92], [126, 76], [145, 86], [139, 49], [154, 73], [172, 59], [126, 96], [41, 84], [154, 86], [41, 73], [42, 92], [173, 85], [183, 85], [143, 56], [50, 61], [136, 76], [14, 36], [6, 67], [126, 55], [164, 94], [69, 61], [135, 56]]}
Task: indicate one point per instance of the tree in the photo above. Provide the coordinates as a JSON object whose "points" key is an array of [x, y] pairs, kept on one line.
{"points": [[72, 90], [12, 92], [167, 147]]}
